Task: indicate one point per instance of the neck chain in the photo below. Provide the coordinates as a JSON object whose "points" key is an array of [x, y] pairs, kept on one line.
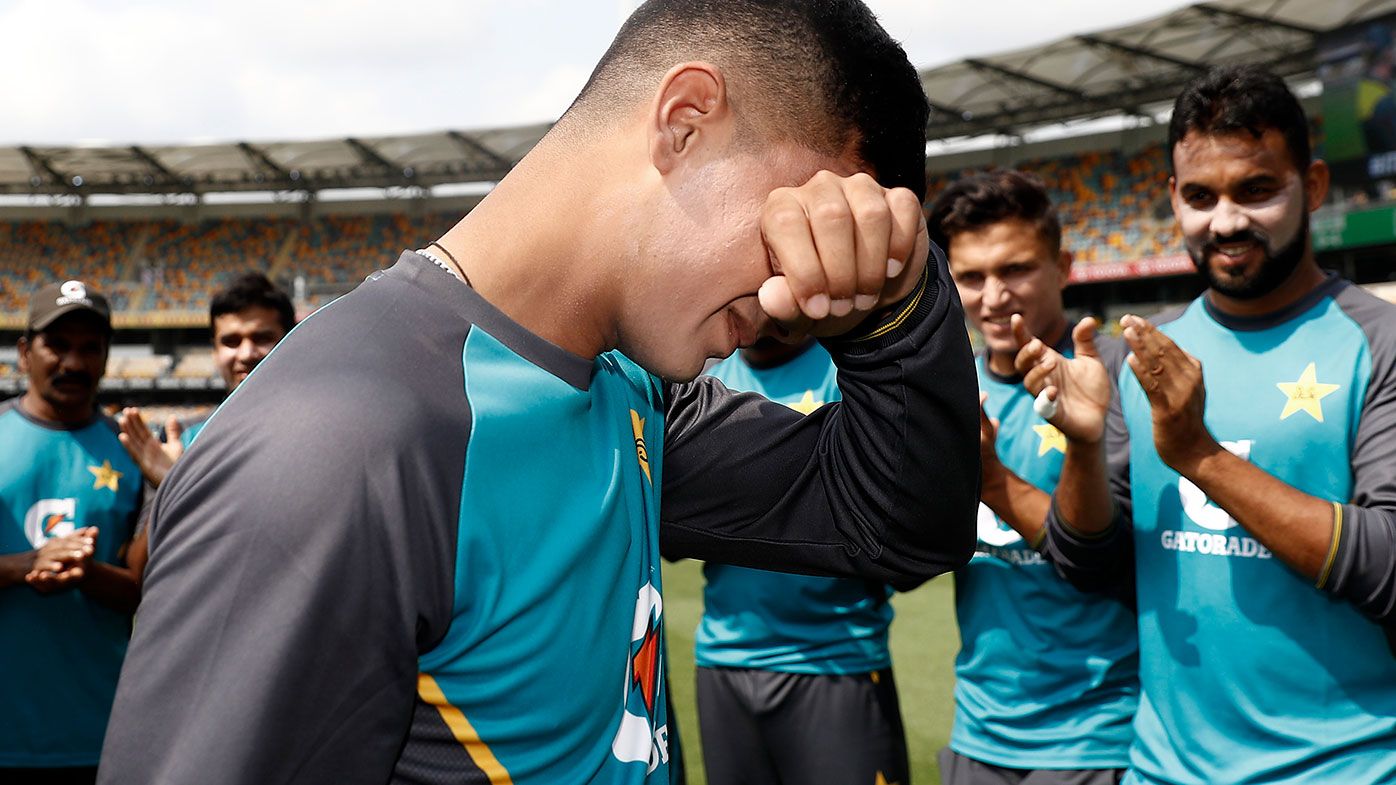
{"points": [[454, 268]]}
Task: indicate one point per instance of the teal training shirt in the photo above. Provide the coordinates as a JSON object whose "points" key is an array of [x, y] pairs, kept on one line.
{"points": [[420, 543], [1250, 673], [60, 653], [776, 621], [1046, 676]]}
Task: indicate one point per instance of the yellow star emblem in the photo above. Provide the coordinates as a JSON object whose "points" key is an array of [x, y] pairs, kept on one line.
{"points": [[1052, 439], [1305, 394], [637, 424], [881, 780], [105, 476], [806, 404]]}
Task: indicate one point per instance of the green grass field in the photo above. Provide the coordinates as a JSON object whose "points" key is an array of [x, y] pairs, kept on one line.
{"points": [[924, 642]]}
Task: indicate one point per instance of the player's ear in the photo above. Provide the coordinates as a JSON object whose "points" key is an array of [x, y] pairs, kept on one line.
{"points": [[1064, 266], [1316, 184], [1173, 195], [689, 107], [23, 346]]}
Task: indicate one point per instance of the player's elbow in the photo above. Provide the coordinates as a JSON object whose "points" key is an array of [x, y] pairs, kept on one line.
{"points": [[942, 539]]}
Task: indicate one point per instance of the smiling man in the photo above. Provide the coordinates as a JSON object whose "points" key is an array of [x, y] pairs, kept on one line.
{"points": [[1046, 679], [69, 503], [1255, 492], [422, 542]]}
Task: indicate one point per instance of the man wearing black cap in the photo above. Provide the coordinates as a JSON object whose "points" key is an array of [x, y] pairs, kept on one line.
{"points": [[70, 498]]}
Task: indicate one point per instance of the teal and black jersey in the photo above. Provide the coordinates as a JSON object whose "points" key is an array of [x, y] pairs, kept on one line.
{"points": [[1047, 675], [1250, 672], [421, 544], [61, 652], [790, 623]]}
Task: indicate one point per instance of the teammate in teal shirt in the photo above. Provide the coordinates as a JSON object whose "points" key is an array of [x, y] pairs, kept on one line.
{"points": [[1253, 470], [69, 503], [1047, 676], [802, 659]]}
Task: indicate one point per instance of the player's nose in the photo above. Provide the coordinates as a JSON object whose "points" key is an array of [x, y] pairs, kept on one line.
{"points": [[1228, 218]]}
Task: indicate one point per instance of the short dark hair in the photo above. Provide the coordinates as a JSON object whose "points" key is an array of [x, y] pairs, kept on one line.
{"points": [[1237, 98], [253, 290], [822, 73], [984, 199]]}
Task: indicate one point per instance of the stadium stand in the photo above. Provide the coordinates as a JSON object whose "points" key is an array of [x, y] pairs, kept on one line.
{"points": [[1114, 207], [163, 266]]}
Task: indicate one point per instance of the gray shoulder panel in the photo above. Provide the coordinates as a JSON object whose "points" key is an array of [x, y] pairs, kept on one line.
{"points": [[302, 552]]}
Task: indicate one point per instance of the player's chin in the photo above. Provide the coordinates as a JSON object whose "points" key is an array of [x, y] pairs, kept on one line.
{"points": [[1001, 345]]}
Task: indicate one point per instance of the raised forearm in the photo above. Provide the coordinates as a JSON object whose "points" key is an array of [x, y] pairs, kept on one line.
{"points": [[1296, 527], [1083, 490], [1017, 502]]}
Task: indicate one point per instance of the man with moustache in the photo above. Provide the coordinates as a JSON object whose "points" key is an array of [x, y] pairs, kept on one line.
{"points": [[1254, 491], [69, 503]]}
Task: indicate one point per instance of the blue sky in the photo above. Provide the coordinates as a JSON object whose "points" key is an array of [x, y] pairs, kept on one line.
{"points": [[153, 71]]}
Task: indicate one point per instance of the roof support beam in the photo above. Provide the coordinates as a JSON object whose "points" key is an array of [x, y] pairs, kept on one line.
{"points": [[1251, 20], [261, 160], [473, 147], [1361, 11], [1139, 51], [371, 156], [958, 114], [985, 65], [155, 166], [41, 166]]}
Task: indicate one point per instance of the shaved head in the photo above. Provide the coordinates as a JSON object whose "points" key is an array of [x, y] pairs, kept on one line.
{"points": [[820, 73]]}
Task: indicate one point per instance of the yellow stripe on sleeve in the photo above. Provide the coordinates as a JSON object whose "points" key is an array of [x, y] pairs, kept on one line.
{"points": [[1332, 546], [906, 311], [430, 692]]}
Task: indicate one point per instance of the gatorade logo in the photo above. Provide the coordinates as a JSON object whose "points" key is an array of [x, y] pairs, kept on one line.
{"points": [[641, 738], [50, 518], [994, 532], [1201, 509], [1203, 512]]}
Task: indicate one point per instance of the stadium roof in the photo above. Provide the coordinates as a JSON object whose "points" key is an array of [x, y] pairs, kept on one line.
{"points": [[354, 162], [1123, 70], [1126, 69]]}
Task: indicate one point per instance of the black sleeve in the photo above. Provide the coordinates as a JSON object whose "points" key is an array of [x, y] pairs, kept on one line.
{"points": [[301, 557], [1103, 562], [882, 485], [1361, 564]]}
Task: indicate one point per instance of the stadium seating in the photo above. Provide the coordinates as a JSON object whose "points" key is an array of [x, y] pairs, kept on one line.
{"points": [[195, 365], [1113, 207]]}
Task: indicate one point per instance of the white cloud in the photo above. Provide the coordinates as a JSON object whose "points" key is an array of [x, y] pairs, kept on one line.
{"points": [[168, 71]]}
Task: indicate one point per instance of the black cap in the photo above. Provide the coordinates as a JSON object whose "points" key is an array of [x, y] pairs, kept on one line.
{"points": [[60, 299]]}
